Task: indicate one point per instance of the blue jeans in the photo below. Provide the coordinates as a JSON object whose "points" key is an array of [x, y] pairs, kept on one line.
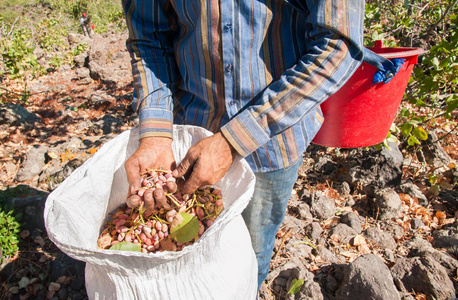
{"points": [[266, 210]]}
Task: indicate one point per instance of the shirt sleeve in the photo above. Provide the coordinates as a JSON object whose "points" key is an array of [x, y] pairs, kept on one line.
{"points": [[152, 26], [333, 54]]}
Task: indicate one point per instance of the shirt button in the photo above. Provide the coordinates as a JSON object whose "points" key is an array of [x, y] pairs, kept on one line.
{"points": [[228, 68], [227, 27]]}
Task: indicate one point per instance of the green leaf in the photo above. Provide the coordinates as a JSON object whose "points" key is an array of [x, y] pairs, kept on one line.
{"points": [[378, 146], [405, 113], [295, 286], [406, 128], [125, 246], [415, 121], [412, 141], [185, 228], [392, 139], [420, 133], [452, 105], [435, 61], [385, 144]]}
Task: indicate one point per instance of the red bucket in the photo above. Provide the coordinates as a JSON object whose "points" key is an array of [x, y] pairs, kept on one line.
{"points": [[360, 113]]}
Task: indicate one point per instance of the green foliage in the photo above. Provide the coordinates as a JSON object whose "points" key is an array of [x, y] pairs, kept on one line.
{"points": [[295, 287], [431, 26], [50, 36], [9, 230], [184, 228], [126, 246], [80, 48], [17, 54], [46, 25], [104, 14]]}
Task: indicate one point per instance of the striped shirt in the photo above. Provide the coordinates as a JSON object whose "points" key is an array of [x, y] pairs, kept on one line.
{"points": [[256, 70]]}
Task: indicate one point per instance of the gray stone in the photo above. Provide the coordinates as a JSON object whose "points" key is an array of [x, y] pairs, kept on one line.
{"points": [[108, 61], [294, 223], [350, 202], [109, 124], [59, 174], [447, 239], [299, 248], [321, 206], [343, 189], [14, 114], [81, 60], [447, 261], [331, 284], [82, 73], [367, 278], [423, 275], [33, 164], [303, 210], [452, 174], [77, 283], [327, 255], [396, 231], [62, 293], [76, 38], [372, 167], [416, 223], [10, 167], [352, 220], [383, 239], [96, 99], [388, 202], [65, 265], [433, 153], [313, 230], [30, 203], [414, 191], [85, 81], [449, 199], [325, 165], [389, 255], [283, 276], [343, 232], [418, 244]]}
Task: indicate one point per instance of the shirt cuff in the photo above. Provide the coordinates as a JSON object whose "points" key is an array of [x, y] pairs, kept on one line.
{"points": [[155, 122], [245, 136]]}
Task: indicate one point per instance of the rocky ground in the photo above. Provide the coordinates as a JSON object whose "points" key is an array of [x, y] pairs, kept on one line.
{"points": [[361, 224]]}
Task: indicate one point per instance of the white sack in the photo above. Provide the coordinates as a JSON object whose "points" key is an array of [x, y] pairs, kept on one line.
{"points": [[221, 265]]}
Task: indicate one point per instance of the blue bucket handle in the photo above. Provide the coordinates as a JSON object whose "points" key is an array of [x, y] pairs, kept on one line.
{"points": [[386, 69]]}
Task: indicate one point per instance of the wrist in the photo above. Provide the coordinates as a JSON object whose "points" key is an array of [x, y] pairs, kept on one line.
{"points": [[154, 141], [233, 151]]}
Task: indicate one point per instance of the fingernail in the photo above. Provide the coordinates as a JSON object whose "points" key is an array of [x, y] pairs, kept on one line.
{"points": [[175, 173]]}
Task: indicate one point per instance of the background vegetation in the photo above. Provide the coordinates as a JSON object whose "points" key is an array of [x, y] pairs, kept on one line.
{"points": [[26, 25], [432, 26]]}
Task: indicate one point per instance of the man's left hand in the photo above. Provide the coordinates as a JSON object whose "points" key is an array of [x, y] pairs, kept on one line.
{"points": [[205, 163]]}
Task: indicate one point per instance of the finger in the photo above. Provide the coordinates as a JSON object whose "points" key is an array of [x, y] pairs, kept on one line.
{"points": [[193, 182], [185, 166], [133, 176]]}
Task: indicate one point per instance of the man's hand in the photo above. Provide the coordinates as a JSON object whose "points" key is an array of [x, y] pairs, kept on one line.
{"points": [[153, 153], [205, 163]]}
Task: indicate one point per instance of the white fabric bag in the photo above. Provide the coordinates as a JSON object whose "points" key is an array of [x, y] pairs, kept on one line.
{"points": [[221, 265]]}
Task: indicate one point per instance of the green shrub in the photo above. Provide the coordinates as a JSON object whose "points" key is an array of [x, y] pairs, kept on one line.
{"points": [[432, 26], [9, 230], [17, 53]]}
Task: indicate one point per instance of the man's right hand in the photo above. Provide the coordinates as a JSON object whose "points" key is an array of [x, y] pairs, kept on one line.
{"points": [[153, 153]]}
